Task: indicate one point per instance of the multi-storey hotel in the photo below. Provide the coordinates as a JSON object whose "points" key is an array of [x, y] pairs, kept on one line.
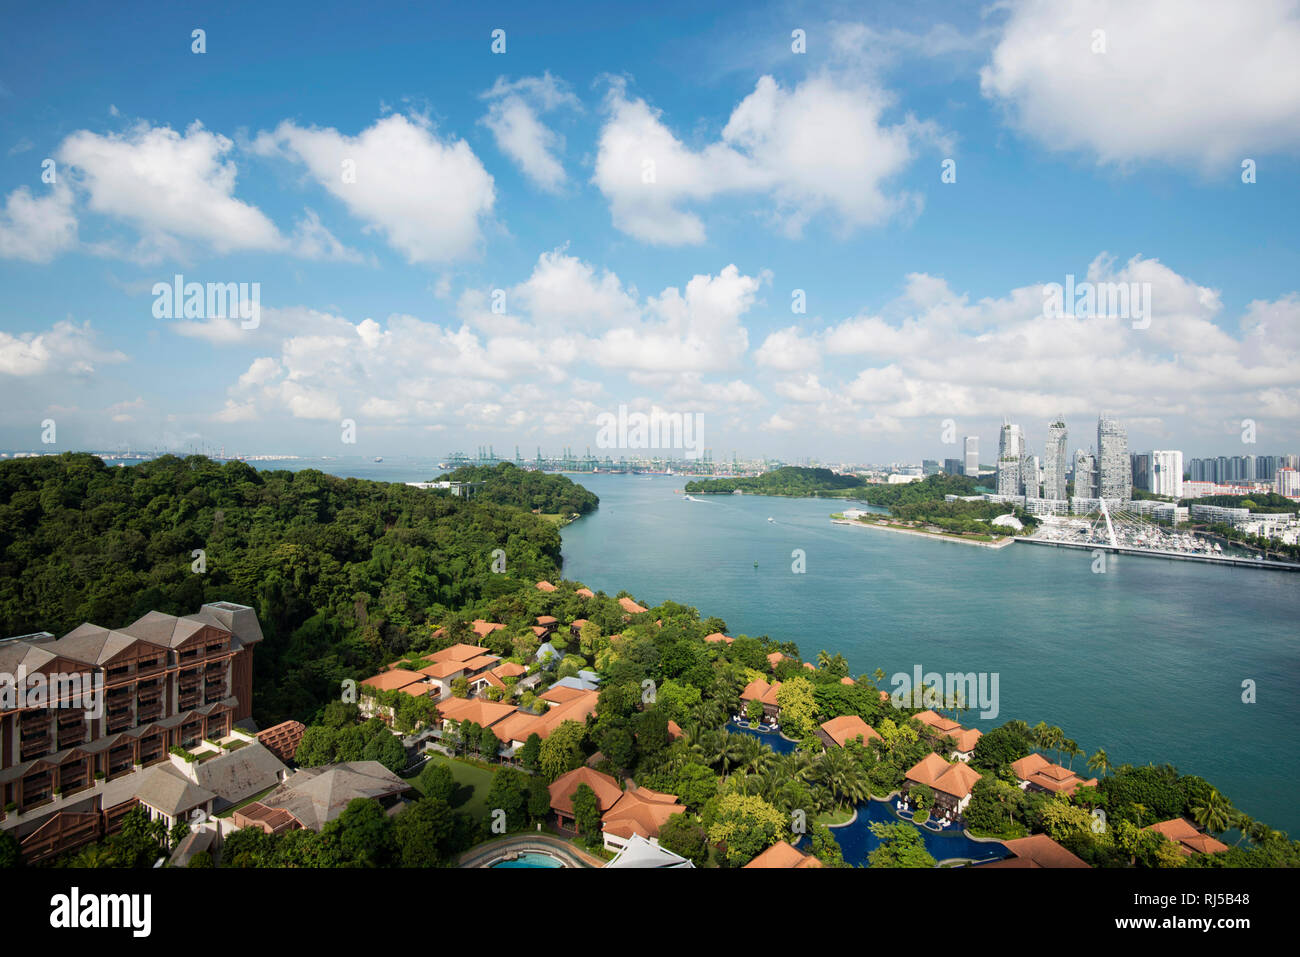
{"points": [[118, 700]]}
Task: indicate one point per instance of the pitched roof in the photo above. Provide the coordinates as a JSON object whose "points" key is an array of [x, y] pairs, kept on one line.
{"points": [[1037, 850], [1048, 776], [1186, 835], [784, 855], [545, 586], [848, 727], [484, 628], [640, 811], [509, 669], [631, 607], [462, 651], [956, 779], [239, 774], [480, 711], [775, 658], [607, 790], [846, 680], [170, 792], [718, 636], [585, 593], [547, 619], [315, 796], [394, 680]]}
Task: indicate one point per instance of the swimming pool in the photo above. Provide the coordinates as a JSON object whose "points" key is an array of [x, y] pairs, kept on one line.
{"points": [[530, 859], [772, 739], [857, 841]]}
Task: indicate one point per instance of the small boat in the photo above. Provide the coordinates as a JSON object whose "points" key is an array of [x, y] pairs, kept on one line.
{"points": [[755, 564], [771, 519], [379, 458]]}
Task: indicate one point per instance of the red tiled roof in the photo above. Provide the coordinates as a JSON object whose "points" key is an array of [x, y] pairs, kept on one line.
{"points": [[283, 739], [462, 651], [956, 779], [631, 607], [1185, 834], [848, 727], [607, 790], [784, 855], [393, 680], [585, 593], [545, 586], [718, 636], [640, 811], [1037, 850]]}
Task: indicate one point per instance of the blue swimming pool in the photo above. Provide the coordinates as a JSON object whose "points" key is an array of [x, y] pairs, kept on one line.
{"points": [[530, 859], [771, 738], [857, 841]]}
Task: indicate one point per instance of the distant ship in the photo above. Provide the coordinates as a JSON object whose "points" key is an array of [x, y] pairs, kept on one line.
{"points": [[379, 458], [771, 519]]}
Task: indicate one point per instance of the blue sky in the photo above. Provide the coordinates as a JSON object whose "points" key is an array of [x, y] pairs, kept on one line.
{"points": [[1115, 157]]}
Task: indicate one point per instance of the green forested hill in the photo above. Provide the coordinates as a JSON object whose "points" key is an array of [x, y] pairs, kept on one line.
{"points": [[343, 572], [507, 484]]}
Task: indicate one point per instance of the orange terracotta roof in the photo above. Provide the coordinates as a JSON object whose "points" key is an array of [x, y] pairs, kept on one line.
{"points": [[775, 658], [631, 607], [938, 722], [547, 619], [478, 710], [674, 730], [640, 811], [847, 728], [966, 739], [784, 855], [847, 681], [1185, 834], [490, 678], [481, 662], [462, 651], [1037, 770], [956, 779], [561, 694], [1030, 763], [545, 586], [443, 669], [607, 790], [484, 628], [585, 593], [393, 680], [577, 623], [718, 636], [1039, 850], [509, 669]]}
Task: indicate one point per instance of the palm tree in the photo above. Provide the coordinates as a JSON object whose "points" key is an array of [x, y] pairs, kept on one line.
{"points": [[726, 751], [1214, 813], [879, 675], [1073, 750], [1243, 822], [1100, 762], [753, 755], [823, 658], [843, 776]]}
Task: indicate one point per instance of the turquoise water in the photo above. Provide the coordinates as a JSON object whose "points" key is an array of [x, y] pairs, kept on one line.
{"points": [[1146, 661], [530, 860]]}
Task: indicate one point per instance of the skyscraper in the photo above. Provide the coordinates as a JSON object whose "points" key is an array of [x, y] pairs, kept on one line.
{"points": [[1167, 473], [1054, 461], [1085, 474], [1011, 446], [1114, 470], [972, 455], [1141, 469]]}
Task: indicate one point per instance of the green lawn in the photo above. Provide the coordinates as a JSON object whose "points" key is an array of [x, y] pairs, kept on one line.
{"points": [[840, 815], [472, 784]]}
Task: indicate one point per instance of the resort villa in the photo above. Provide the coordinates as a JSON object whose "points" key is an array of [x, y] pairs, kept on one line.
{"points": [[952, 783], [849, 727], [1189, 839], [717, 637], [1037, 850], [759, 690], [1035, 772], [964, 739], [625, 814]]}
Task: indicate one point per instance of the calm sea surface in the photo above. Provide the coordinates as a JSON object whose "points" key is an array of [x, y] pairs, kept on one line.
{"points": [[1146, 660]]}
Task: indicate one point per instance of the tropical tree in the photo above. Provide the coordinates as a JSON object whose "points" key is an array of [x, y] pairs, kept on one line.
{"points": [[1100, 762], [1214, 813]]}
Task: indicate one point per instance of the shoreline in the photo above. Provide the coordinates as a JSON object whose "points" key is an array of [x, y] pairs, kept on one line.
{"points": [[911, 531]]}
